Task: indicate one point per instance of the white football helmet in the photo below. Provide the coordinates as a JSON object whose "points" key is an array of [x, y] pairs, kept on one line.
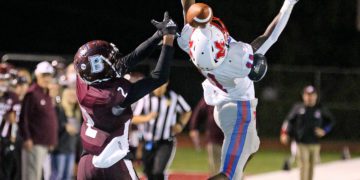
{"points": [[209, 45]]}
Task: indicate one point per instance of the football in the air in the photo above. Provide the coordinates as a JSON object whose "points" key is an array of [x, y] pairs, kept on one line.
{"points": [[199, 14]]}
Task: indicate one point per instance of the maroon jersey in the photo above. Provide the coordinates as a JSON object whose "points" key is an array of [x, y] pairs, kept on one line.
{"points": [[104, 118]]}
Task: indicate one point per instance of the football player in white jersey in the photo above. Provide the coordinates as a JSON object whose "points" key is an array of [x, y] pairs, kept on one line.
{"points": [[230, 68]]}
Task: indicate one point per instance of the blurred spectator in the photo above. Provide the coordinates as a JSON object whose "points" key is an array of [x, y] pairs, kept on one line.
{"points": [[24, 73], [69, 80], [307, 122], [19, 86], [203, 115], [63, 156], [9, 158], [38, 123], [59, 69], [159, 133], [70, 76]]}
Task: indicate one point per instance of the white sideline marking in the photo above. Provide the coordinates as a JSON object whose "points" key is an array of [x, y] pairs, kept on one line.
{"points": [[338, 170]]}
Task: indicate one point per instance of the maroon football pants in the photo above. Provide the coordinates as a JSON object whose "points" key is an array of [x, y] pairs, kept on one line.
{"points": [[122, 170]]}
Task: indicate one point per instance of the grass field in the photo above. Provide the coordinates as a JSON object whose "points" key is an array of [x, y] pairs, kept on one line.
{"points": [[189, 160]]}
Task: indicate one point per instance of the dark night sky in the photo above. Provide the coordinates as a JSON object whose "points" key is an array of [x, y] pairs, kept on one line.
{"points": [[320, 32]]}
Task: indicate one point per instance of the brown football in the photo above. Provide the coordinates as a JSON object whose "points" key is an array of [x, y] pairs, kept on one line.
{"points": [[199, 14]]}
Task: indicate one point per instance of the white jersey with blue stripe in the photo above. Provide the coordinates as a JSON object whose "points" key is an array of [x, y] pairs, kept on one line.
{"points": [[229, 81]]}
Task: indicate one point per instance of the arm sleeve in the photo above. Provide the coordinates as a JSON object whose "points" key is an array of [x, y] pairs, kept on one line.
{"points": [[329, 119], [139, 54], [25, 114], [283, 18], [157, 77]]}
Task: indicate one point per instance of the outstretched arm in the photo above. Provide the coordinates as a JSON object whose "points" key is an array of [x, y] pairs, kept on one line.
{"points": [[264, 42], [157, 77], [167, 26], [186, 5], [160, 75], [144, 49]]}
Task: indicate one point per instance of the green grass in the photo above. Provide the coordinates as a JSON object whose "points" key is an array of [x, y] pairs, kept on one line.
{"points": [[189, 160]]}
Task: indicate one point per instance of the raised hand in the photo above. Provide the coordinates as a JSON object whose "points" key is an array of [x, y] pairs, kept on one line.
{"points": [[167, 26]]}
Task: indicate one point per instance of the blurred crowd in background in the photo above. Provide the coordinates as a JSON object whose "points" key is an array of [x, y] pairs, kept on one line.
{"points": [[39, 122]]}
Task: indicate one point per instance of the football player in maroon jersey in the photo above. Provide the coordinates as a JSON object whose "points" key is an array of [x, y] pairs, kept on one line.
{"points": [[105, 98]]}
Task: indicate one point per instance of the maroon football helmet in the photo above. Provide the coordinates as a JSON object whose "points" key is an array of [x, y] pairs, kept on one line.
{"points": [[95, 61]]}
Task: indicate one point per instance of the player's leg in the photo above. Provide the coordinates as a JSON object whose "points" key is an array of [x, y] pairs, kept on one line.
{"points": [[226, 125], [122, 170], [84, 172], [219, 176], [237, 121], [251, 144]]}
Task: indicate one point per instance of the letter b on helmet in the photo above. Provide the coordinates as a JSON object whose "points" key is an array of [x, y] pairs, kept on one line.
{"points": [[96, 63]]}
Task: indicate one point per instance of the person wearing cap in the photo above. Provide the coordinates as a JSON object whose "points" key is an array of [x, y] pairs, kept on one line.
{"points": [[38, 123], [307, 123]]}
